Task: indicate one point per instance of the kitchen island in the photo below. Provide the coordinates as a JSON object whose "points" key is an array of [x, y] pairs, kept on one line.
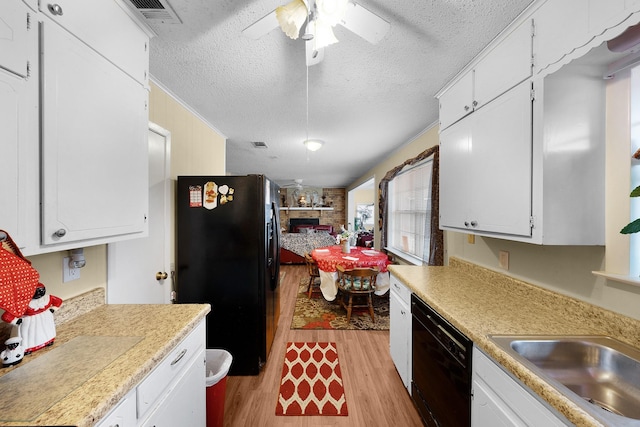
{"points": [[125, 344], [480, 302]]}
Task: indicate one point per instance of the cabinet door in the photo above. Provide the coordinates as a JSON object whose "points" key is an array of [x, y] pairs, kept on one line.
{"points": [[457, 101], [94, 147], [399, 336], [455, 143], [560, 27], [105, 27], [499, 399], [508, 64], [12, 173], [124, 414], [13, 37], [185, 400], [501, 156]]}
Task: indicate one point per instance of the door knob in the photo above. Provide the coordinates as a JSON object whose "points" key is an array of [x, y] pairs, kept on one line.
{"points": [[55, 9], [161, 276]]}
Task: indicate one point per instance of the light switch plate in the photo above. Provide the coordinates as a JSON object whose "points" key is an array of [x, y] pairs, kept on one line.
{"points": [[68, 273]]}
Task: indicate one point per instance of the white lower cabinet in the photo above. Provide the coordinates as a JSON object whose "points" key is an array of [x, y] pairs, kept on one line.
{"points": [[124, 414], [173, 394], [400, 330], [500, 400], [181, 405]]}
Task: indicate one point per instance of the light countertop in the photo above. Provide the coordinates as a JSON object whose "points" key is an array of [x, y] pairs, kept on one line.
{"points": [[480, 302], [147, 332]]}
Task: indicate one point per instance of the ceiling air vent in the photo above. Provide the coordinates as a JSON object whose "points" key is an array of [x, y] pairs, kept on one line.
{"points": [[259, 144], [156, 10]]}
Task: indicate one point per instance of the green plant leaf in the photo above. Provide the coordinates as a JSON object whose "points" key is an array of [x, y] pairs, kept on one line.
{"points": [[632, 227], [635, 192]]}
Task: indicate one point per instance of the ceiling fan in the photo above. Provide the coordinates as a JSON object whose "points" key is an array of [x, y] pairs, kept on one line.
{"points": [[297, 183], [320, 17]]}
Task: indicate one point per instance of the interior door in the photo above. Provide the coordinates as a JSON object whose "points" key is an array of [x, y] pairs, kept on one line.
{"points": [[133, 264]]}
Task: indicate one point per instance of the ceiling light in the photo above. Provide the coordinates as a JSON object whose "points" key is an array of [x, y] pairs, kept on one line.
{"points": [[313, 144], [291, 17], [331, 11], [322, 33]]}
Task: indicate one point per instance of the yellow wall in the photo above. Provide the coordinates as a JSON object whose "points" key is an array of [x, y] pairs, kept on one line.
{"points": [[196, 148]]}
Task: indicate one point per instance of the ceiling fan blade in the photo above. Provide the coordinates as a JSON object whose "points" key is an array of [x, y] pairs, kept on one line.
{"points": [[262, 26], [365, 23], [313, 56]]}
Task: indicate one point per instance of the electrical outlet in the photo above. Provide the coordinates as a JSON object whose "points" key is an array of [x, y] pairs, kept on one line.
{"points": [[503, 259], [68, 273]]}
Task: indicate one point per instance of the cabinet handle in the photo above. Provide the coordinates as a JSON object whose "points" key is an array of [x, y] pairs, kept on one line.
{"points": [[466, 223], [180, 356], [55, 9], [475, 103], [60, 233], [474, 223], [466, 108]]}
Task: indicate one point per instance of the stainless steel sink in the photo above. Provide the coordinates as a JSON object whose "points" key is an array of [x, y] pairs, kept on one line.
{"points": [[599, 373]]}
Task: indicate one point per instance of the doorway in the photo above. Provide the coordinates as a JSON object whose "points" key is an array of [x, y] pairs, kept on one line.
{"points": [[138, 271]]}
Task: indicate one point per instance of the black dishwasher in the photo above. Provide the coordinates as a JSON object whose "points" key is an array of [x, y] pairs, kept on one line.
{"points": [[441, 383]]}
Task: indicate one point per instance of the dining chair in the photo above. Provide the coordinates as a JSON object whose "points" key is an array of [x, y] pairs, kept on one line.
{"points": [[314, 274], [356, 283]]}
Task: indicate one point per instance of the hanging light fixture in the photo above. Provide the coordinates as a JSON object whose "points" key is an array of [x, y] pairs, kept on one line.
{"points": [[291, 17], [311, 144], [323, 16]]}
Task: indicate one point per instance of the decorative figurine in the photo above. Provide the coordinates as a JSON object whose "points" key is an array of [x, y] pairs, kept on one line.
{"points": [[36, 327], [14, 352]]}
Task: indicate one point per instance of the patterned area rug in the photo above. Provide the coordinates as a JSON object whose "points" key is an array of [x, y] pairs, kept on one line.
{"points": [[318, 313], [311, 381]]}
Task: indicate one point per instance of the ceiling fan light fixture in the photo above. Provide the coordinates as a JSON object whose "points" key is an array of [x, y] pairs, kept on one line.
{"points": [[331, 11], [322, 34], [291, 17], [313, 144]]}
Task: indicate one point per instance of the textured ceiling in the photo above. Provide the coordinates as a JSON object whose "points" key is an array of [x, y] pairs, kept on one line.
{"points": [[365, 100]]}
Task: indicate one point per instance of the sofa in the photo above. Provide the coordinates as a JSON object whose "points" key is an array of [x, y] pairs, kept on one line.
{"points": [[320, 227]]}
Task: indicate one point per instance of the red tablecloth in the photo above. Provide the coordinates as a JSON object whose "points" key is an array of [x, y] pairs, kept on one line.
{"points": [[330, 256]]}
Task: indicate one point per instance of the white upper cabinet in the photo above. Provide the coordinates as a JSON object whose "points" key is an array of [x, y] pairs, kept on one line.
{"points": [[94, 146], [506, 65], [14, 23], [560, 26], [485, 168], [90, 21], [73, 123], [12, 185], [502, 67], [457, 101], [567, 29]]}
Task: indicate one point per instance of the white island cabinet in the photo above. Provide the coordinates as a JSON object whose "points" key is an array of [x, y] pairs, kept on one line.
{"points": [[499, 400], [400, 330], [173, 394]]}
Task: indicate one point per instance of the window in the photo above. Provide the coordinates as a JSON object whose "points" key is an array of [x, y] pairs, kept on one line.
{"points": [[410, 211]]}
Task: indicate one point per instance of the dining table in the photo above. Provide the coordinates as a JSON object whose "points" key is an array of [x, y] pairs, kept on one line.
{"points": [[329, 257]]}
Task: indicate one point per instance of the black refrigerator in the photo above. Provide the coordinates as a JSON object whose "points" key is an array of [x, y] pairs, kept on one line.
{"points": [[228, 255]]}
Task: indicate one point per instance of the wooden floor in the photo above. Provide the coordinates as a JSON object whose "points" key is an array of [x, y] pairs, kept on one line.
{"points": [[374, 392]]}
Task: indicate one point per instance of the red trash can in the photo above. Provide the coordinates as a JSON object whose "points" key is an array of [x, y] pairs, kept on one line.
{"points": [[218, 364]]}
